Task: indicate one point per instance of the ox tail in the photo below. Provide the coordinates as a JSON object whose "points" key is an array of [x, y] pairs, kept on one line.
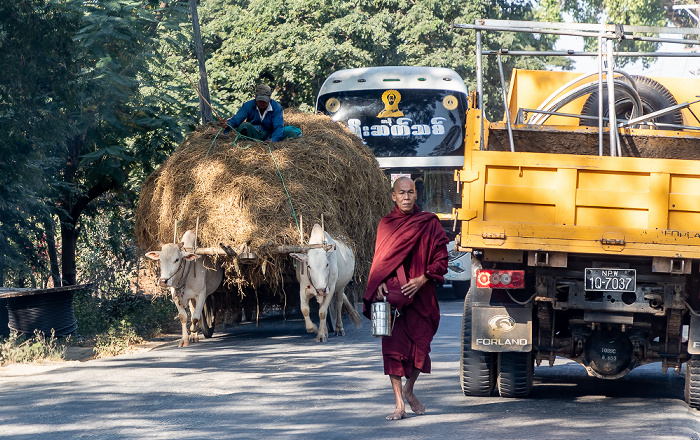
{"points": [[350, 310]]}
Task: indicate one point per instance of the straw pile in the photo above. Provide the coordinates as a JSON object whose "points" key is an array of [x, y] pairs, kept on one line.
{"points": [[238, 193]]}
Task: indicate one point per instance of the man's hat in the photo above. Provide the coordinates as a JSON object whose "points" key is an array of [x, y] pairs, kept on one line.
{"points": [[263, 92]]}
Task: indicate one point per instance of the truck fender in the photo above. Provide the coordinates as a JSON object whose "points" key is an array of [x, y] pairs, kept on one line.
{"points": [[694, 335]]}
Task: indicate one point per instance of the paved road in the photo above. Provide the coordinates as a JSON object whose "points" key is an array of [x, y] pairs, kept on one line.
{"points": [[274, 381]]}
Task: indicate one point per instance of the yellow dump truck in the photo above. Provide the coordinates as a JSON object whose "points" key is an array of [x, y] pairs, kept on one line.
{"points": [[582, 247]]}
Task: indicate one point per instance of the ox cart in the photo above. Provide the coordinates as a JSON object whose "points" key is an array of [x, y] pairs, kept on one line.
{"points": [[244, 200]]}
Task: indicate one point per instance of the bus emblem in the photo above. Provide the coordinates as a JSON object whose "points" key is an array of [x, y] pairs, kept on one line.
{"points": [[391, 99]]}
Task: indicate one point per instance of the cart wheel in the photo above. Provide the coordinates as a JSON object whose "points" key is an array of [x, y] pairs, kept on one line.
{"points": [[477, 368], [208, 317]]}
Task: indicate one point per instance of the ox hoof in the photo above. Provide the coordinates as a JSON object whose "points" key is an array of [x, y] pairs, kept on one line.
{"points": [[183, 343], [340, 332], [313, 329], [321, 338]]}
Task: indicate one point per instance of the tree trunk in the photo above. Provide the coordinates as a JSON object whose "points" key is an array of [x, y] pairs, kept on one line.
{"points": [[69, 239], [204, 107], [51, 248]]}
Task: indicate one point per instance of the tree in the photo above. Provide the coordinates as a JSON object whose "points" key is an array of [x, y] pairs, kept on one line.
{"points": [[36, 65], [85, 117], [626, 12], [295, 45], [113, 113]]}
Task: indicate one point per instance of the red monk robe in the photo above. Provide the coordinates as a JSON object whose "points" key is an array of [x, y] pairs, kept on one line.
{"points": [[417, 241]]}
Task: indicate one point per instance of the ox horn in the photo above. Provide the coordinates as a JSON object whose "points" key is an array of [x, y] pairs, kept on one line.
{"points": [[328, 247], [323, 229], [301, 229], [175, 232], [196, 231]]}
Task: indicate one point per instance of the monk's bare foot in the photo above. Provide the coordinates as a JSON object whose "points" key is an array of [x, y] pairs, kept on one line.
{"points": [[397, 415], [416, 406]]}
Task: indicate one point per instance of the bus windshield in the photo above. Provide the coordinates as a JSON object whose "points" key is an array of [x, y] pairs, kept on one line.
{"points": [[404, 122]]}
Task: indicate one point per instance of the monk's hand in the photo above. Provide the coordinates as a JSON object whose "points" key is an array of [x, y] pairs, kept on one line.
{"points": [[413, 285], [223, 122], [382, 291]]}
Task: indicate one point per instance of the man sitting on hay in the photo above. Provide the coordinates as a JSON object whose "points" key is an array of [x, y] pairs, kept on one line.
{"points": [[261, 118]]}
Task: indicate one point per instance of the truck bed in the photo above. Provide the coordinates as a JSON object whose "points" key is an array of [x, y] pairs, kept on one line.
{"points": [[583, 203]]}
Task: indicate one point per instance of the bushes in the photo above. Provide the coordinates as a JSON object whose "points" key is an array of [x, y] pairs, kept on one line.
{"points": [[20, 348], [115, 322], [115, 315]]}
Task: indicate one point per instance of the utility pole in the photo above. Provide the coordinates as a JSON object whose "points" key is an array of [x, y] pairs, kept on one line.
{"points": [[204, 109]]}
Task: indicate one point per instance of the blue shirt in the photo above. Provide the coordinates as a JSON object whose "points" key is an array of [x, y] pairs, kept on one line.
{"points": [[272, 122]]}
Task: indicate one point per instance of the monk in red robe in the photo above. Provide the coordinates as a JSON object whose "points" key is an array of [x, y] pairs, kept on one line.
{"points": [[410, 256]]}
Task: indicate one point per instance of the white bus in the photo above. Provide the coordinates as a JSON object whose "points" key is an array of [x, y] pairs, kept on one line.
{"points": [[413, 119]]}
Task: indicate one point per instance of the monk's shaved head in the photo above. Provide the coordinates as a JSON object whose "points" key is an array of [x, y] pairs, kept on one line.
{"points": [[404, 194], [400, 180]]}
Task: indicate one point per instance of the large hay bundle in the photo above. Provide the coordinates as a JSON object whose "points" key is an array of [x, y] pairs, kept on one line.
{"points": [[239, 193]]}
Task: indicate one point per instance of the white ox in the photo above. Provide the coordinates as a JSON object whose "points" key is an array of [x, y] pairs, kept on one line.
{"points": [[324, 275], [189, 281]]}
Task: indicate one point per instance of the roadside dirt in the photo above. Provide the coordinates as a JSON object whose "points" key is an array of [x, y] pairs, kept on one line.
{"points": [[86, 353]]}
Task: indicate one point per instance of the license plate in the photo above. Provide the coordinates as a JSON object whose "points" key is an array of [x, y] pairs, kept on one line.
{"points": [[611, 280]]}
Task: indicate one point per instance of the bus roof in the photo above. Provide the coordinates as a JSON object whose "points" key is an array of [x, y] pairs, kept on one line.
{"points": [[395, 77]]}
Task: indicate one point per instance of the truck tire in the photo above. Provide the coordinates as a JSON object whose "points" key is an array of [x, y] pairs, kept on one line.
{"points": [[477, 368], [208, 317], [460, 289], [515, 374], [654, 97], [692, 382]]}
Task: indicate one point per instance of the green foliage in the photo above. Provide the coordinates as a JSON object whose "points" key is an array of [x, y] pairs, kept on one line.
{"points": [[22, 349], [295, 45], [107, 251], [83, 113], [31, 89], [98, 314], [116, 340], [625, 12]]}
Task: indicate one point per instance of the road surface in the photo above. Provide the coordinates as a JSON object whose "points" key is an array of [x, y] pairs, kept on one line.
{"points": [[275, 381]]}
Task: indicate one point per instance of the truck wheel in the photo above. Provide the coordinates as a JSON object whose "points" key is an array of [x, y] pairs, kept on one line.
{"points": [[477, 368], [654, 97], [515, 374], [208, 317], [460, 289], [692, 382]]}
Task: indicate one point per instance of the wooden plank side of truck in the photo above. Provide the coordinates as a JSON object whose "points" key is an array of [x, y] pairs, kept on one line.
{"points": [[586, 256]]}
